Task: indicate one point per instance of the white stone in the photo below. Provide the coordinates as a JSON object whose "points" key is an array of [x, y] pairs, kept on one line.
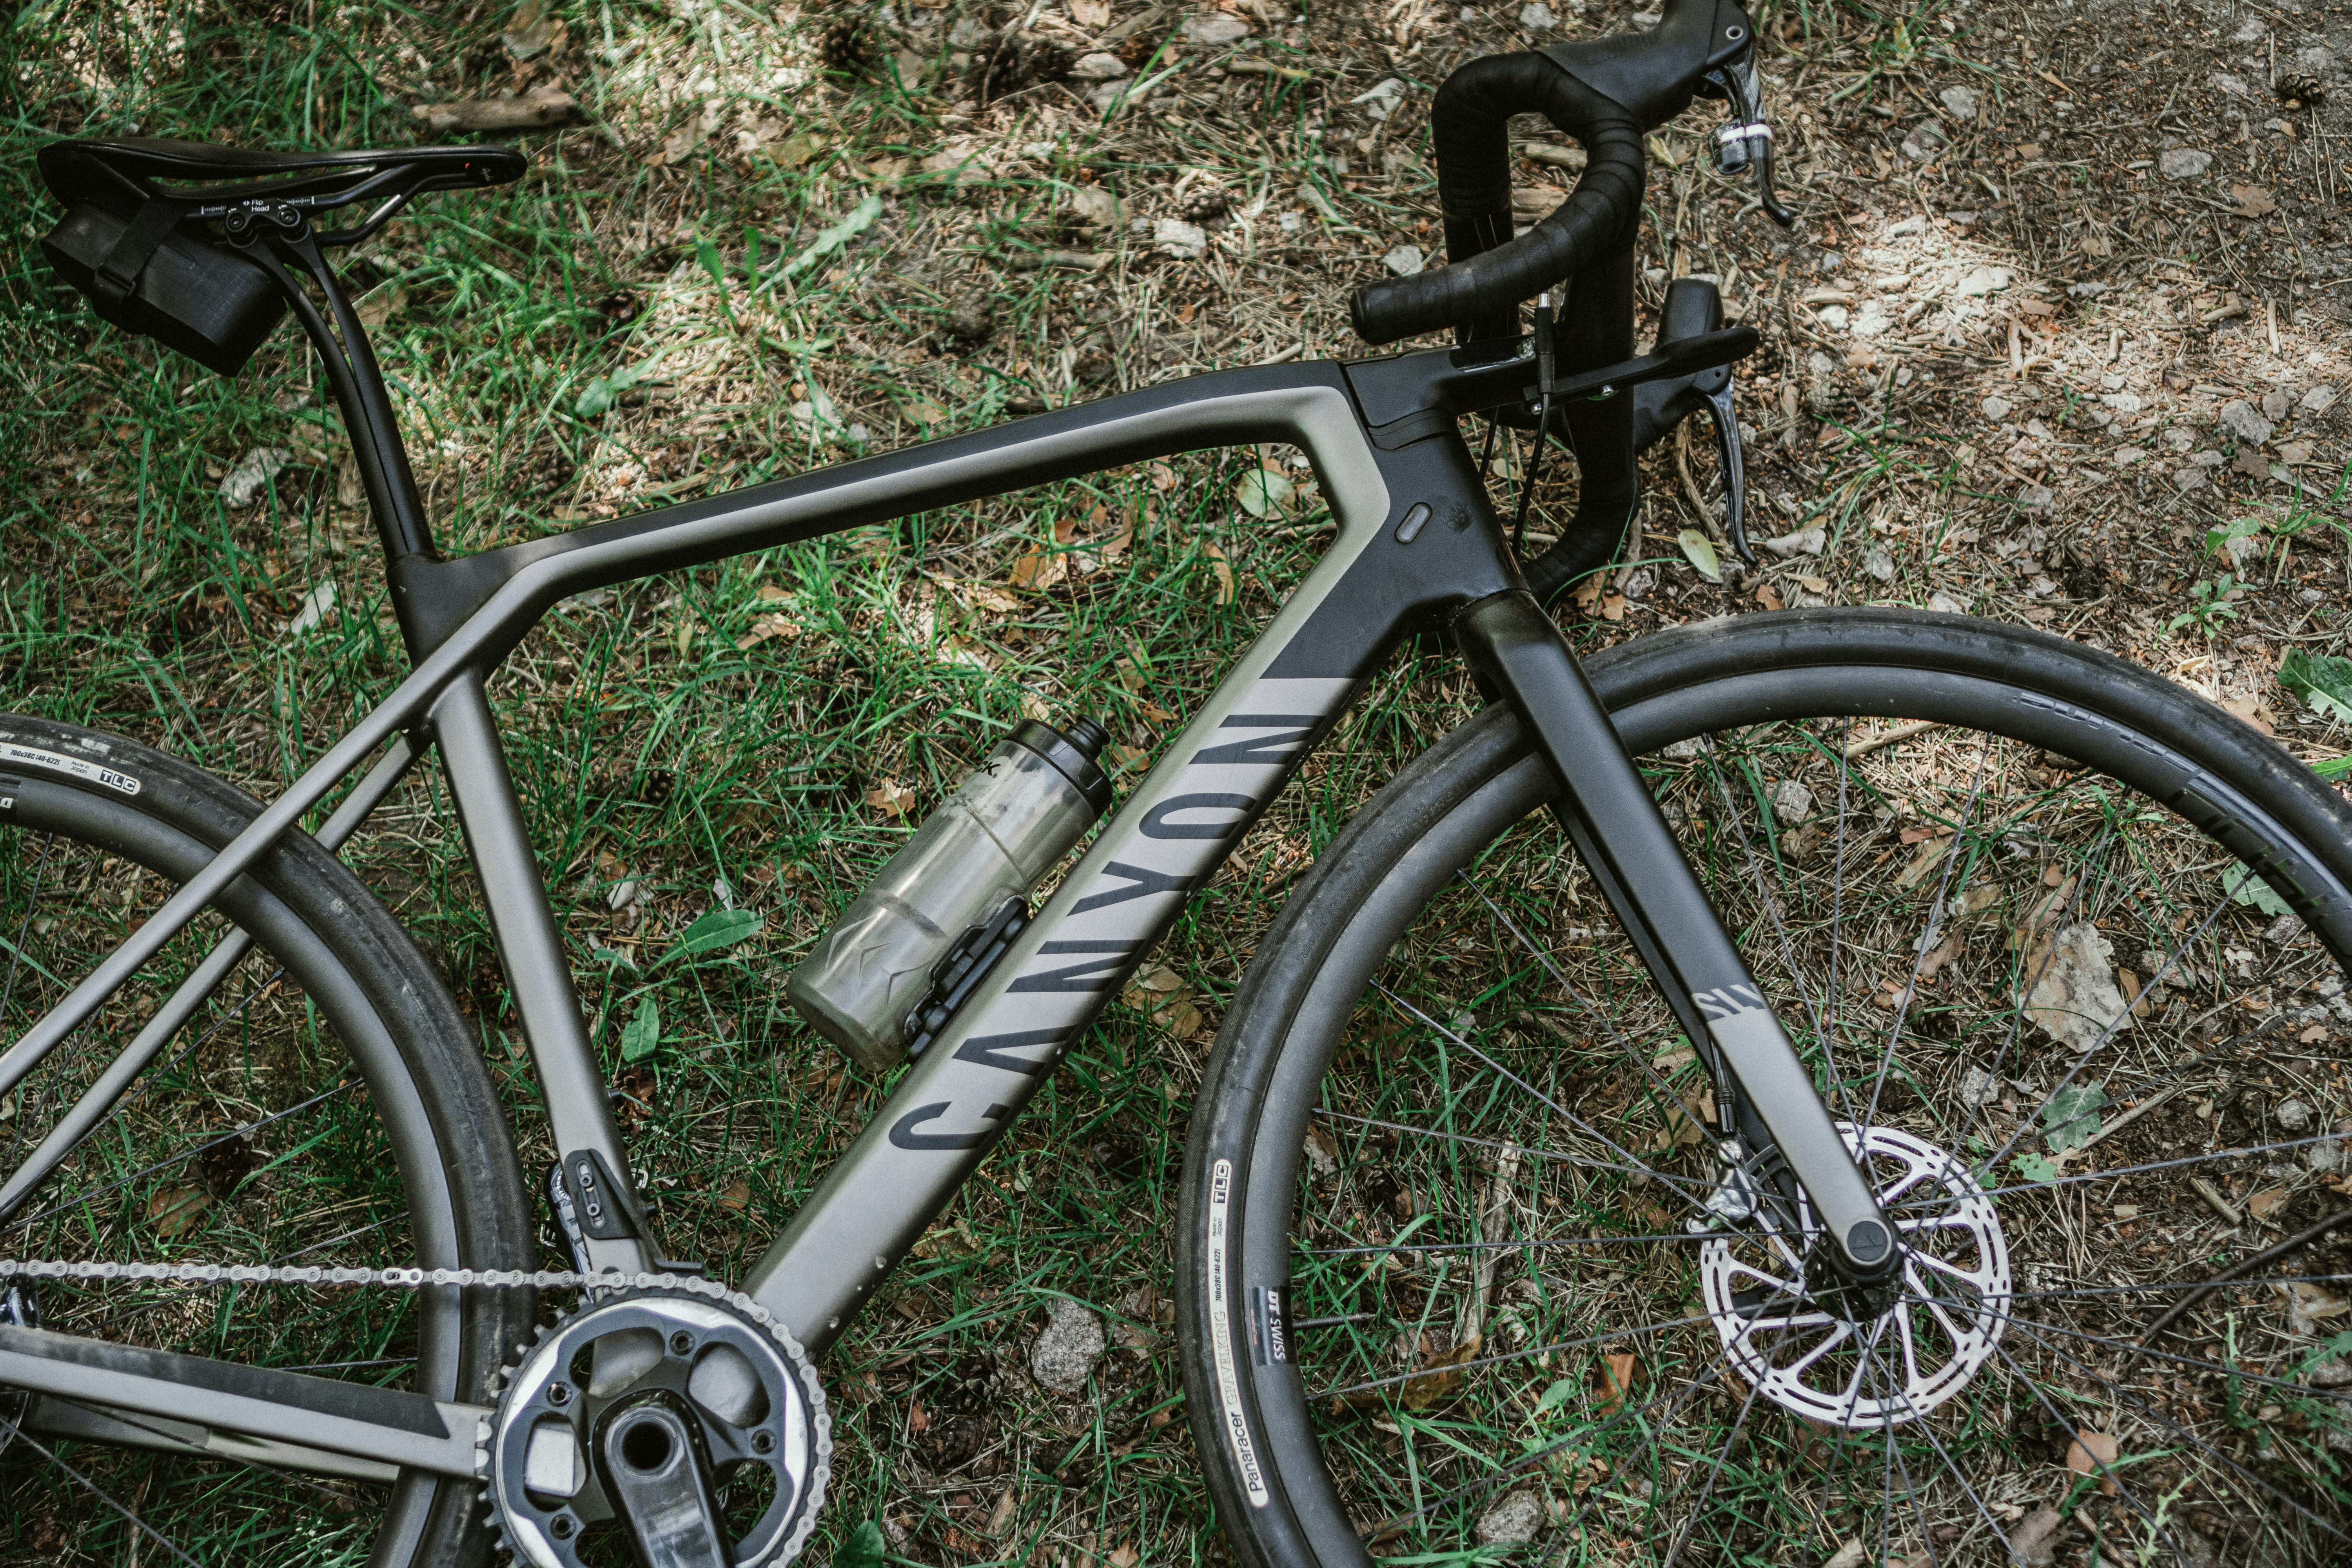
{"points": [[1099, 67], [1879, 564], [1986, 280], [2318, 59], [1064, 1356], [1516, 1516], [2318, 400], [1980, 1086], [1943, 604], [2183, 164], [1805, 541], [2293, 1114], [2126, 456], [2039, 499], [1213, 32], [2240, 419], [1871, 321], [247, 480], [1536, 18], [1835, 317], [2075, 997], [2275, 403], [1185, 241], [1791, 800], [2190, 479], [1404, 261], [1961, 101], [2177, 439], [2253, 31], [2121, 402], [1997, 408]]}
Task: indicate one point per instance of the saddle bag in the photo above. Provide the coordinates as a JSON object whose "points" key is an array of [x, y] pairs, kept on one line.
{"points": [[147, 276]]}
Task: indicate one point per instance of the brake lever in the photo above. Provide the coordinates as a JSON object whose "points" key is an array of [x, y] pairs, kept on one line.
{"points": [[1747, 141], [1692, 313]]}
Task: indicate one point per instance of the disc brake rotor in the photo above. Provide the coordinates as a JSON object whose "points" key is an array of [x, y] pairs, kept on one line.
{"points": [[1912, 1350]]}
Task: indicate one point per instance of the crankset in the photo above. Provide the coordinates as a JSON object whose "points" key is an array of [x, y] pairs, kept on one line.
{"points": [[697, 1427]]}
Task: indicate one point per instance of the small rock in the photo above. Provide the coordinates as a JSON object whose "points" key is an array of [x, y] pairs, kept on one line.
{"points": [[2275, 402], [1879, 564], [1404, 261], [1961, 101], [2318, 400], [1792, 802], [2283, 930], [2293, 1114], [1516, 1516], [2177, 439], [1535, 18], [2090, 289], [1185, 241], [2183, 164], [1215, 32], [973, 318], [1105, 67], [2039, 499], [2253, 31], [2239, 418], [2121, 402], [1872, 320], [1835, 317], [1997, 408], [1979, 1085], [2035, 1542], [2186, 479], [2208, 459], [1809, 541], [1986, 280], [247, 480], [2126, 456], [1943, 604], [2074, 998], [1064, 1356]]}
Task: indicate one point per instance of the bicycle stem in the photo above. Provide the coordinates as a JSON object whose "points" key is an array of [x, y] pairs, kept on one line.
{"points": [[1624, 839]]}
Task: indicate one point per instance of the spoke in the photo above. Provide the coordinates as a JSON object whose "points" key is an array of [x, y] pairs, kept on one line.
{"points": [[21, 1436], [1698, 1504], [1678, 1183], [81, 1199], [1659, 1327], [1530, 1244], [2222, 1369], [101, 1096], [1584, 1162], [2121, 1171]]}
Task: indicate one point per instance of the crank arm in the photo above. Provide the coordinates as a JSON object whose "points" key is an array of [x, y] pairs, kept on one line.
{"points": [[1633, 854]]}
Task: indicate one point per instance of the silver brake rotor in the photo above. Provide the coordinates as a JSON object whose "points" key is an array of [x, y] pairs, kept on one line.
{"points": [[734, 1387], [1925, 1345]]}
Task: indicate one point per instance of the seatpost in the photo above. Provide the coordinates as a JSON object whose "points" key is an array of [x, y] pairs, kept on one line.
{"points": [[354, 377]]}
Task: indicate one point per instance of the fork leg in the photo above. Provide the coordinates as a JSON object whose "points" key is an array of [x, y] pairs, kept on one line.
{"points": [[1635, 857]]}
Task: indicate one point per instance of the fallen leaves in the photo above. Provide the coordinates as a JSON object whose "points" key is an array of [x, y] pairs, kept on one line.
{"points": [[2074, 996], [2093, 1453], [173, 1210], [891, 797], [1613, 1381], [1159, 994], [1442, 1373], [2253, 201], [1221, 571]]}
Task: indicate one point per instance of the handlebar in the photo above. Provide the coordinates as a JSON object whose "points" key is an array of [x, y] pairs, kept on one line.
{"points": [[1605, 93]]}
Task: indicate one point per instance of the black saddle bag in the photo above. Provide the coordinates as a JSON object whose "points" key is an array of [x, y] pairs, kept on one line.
{"points": [[147, 276]]}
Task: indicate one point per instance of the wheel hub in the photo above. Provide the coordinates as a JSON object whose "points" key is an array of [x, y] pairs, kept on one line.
{"points": [[675, 1415], [1859, 1356]]}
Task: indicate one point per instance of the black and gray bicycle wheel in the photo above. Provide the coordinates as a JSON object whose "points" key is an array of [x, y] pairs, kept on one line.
{"points": [[325, 1105], [1468, 1270]]}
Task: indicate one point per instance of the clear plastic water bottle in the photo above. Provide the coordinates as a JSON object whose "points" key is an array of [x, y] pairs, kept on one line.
{"points": [[924, 930]]}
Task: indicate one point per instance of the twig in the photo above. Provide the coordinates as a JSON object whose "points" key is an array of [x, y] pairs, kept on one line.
{"points": [[1870, 743]]}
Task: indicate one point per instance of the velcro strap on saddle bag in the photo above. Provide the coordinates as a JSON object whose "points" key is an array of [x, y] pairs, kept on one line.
{"points": [[115, 276]]}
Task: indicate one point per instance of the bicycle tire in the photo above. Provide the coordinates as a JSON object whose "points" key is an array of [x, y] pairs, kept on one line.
{"points": [[425, 1150], [1306, 1168]]}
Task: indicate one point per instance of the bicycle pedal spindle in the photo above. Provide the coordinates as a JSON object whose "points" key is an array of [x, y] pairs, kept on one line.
{"points": [[925, 931]]}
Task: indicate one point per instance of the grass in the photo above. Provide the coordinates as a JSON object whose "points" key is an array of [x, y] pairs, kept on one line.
{"points": [[659, 311]]}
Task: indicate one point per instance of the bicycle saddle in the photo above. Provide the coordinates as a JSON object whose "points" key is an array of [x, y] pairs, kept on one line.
{"points": [[97, 169]]}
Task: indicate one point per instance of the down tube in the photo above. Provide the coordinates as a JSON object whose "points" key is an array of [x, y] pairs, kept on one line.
{"points": [[1384, 573]]}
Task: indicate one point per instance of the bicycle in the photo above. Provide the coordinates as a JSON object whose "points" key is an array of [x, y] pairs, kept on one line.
{"points": [[1758, 1211]]}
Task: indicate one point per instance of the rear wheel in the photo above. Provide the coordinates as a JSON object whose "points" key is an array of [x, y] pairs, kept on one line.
{"points": [[324, 1105], [1467, 1268]]}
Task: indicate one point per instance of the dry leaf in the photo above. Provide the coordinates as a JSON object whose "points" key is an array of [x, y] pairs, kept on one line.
{"points": [[738, 1196], [1219, 567], [2253, 201], [892, 797], [2031, 1542], [766, 626], [1612, 606], [1007, 1507], [1090, 13], [2074, 996], [1441, 1375], [1768, 596], [2264, 1204], [174, 1209], [1038, 570], [2093, 1453], [1124, 1557], [1930, 852], [1613, 1383]]}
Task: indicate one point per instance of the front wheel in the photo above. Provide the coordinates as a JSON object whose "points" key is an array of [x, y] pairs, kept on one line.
{"points": [[1470, 1267]]}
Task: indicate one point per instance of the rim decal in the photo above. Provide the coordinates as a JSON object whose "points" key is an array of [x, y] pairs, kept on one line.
{"points": [[33, 756]]}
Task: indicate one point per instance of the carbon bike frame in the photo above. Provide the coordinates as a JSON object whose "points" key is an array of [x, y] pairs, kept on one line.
{"points": [[1418, 548]]}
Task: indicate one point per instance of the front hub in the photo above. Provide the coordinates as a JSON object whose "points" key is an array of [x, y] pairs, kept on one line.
{"points": [[1871, 1354]]}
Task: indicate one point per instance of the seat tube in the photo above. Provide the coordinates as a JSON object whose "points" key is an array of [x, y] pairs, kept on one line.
{"points": [[1510, 641]]}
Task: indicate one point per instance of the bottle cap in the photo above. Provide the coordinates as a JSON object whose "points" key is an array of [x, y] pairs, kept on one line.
{"points": [[1073, 755]]}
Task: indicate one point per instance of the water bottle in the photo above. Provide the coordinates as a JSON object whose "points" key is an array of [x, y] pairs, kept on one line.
{"points": [[923, 934]]}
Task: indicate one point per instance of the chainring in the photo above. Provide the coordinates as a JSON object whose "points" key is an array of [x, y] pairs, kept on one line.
{"points": [[740, 1377]]}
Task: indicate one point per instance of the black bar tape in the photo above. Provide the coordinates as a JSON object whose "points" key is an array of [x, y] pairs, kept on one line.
{"points": [[1481, 290]]}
